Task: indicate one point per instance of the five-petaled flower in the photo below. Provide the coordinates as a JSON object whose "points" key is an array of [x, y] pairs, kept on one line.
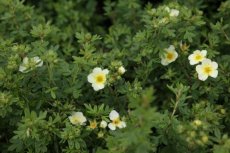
{"points": [[28, 64], [98, 78], [77, 118], [207, 68], [197, 56], [169, 56], [116, 122]]}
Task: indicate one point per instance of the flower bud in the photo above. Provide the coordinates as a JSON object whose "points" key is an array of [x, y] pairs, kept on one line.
{"points": [[121, 70]]}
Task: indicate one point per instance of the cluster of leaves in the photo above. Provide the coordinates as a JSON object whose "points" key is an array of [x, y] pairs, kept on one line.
{"points": [[167, 108]]}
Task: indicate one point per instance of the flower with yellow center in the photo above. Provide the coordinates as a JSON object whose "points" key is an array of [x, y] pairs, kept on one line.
{"points": [[93, 124], [169, 56], [207, 68], [77, 118], [98, 78], [116, 122], [197, 56]]}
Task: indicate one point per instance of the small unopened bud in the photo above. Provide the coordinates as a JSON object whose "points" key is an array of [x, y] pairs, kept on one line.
{"points": [[197, 122], [100, 134], [93, 124], [28, 132], [204, 139], [184, 46], [222, 111], [103, 124], [121, 70]]}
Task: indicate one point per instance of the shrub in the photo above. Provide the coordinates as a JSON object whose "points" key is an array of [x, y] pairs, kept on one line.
{"points": [[119, 76]]}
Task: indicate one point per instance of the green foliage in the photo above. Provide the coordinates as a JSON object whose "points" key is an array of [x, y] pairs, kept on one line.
{"points": [[165, 109]]}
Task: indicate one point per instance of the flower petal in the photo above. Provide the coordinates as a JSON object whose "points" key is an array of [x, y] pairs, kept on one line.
{"points": [[206, 61], [81, 118], [214, 74], [191, 57], [112, 126], [113, 115], [40, 63], [36, 59], [71, 119], [122, 124], [199, 69], [97, 87], [204, 52], [192, 62], [176, 55], [77, 114], [106, 71], [22, 69], [171, 48], [202, 76], [91, 78], [25, 60], [214, 65], [97, 70], [196, 52], [164, 62]]}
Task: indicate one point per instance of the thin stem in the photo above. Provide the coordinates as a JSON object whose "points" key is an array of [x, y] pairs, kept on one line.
{"points": [[50, 73], [176, 104], [174, 111], [226, 36]]}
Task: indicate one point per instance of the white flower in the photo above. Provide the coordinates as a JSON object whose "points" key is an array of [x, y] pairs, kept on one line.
{"points": [[98, 78], [169, 56], [207, 68], [121, 70], [116, 122], [77, 118], [197, 56], [103, 124], [28, 64], [174, 13]]}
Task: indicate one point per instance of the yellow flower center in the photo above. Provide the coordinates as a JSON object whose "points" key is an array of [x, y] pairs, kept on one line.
{"points": [[75, 120], [207, 69], [198, 57], [93, 124], [170, 56], [117, 121], [100, 78]]}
